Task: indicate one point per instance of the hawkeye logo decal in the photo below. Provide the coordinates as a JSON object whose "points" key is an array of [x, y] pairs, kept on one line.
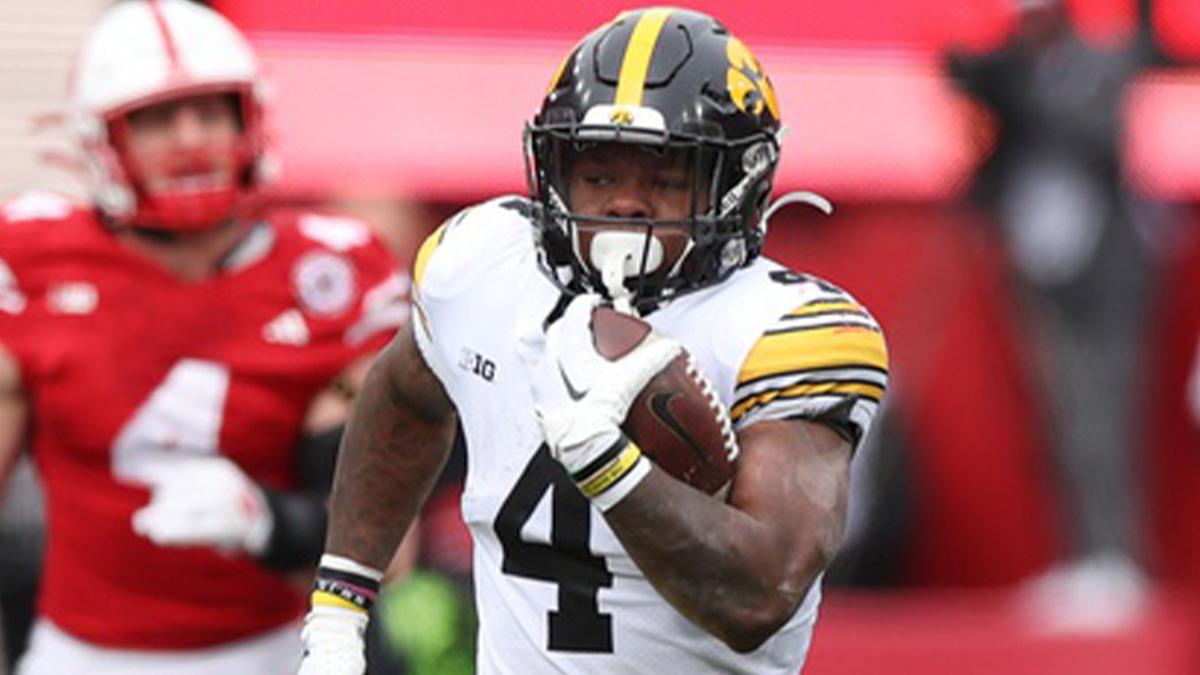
{"points": [[621, 116], [748, 84]]}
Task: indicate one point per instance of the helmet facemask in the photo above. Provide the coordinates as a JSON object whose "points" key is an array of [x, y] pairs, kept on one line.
{"points": [[637, 259], [189, 189]]}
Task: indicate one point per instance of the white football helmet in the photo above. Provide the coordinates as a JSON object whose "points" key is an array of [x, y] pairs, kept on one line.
{"points": [[144, 52]]}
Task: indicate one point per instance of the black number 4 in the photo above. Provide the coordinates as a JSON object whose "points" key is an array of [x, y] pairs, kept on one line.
{"points": [[577, 625]]}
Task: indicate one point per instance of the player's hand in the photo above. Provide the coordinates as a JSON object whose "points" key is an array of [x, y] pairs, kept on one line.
{"points": [[333, 642], [581, 399], [206, 501]]}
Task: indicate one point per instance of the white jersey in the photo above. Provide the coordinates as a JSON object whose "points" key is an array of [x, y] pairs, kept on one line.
{"points": [[555, 590]]}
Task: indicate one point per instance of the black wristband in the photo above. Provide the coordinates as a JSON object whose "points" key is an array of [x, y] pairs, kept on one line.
{"points": [[298, 535], [316, 457]]}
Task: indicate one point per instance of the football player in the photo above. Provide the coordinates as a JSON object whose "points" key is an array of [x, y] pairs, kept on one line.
{"points": [[166, 353], [651, 163]]}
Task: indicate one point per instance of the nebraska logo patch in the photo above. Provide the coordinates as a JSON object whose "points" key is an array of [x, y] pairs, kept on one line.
{"points": [[324, 284]]}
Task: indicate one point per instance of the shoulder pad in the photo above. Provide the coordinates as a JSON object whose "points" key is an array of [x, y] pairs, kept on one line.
{"points": [[336, 233], [36, 205]]}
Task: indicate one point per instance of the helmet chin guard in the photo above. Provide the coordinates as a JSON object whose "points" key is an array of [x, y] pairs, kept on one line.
{"points": [[147, 52], [620, 255]]}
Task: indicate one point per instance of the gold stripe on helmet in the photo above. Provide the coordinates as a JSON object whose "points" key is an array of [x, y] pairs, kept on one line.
{"points": [[636, 63]]}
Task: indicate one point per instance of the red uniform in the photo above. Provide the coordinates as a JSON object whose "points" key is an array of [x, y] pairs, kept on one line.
{"points": [[126, 368]]}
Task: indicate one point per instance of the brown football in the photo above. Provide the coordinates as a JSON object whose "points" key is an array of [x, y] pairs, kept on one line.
{"points": [[677, 420]]}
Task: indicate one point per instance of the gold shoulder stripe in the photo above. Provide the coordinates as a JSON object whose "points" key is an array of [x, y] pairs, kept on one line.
{"points": [[823, 307], [423, 254], [636, 64], [866, 390], [832, 347]]}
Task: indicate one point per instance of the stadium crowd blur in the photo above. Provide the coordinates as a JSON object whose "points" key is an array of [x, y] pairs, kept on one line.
{"points": [[1015, 183]]}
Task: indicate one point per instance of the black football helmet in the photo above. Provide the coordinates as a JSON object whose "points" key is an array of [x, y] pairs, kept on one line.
{"points": [[664, 79]]}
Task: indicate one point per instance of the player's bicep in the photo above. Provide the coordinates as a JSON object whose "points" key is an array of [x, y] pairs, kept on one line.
{"points": [[409, 379]]}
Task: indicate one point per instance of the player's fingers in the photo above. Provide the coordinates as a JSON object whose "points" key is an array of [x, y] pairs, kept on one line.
{"points": [[157, 527], [177, 524]]}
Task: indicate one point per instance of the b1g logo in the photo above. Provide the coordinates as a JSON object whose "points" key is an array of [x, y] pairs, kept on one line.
{"points": [[477, 364], [748, 85]]}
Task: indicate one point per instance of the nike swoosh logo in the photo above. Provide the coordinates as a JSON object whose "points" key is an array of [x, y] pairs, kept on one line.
{"points": [[574, 393], [660, 405]]}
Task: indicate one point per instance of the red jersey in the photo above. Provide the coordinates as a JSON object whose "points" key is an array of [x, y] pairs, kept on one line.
{"points": [[127, 368]]}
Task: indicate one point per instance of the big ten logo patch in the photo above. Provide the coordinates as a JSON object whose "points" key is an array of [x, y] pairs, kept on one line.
{"points": [[748, 85], [477, 364]]}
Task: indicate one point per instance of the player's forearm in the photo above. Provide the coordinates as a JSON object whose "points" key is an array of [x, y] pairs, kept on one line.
{"points": [[716, 565], [12, 425], [738, 570], [391, 455], [13, 413]]}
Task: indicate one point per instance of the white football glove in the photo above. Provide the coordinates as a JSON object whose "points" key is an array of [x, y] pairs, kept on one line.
{"points": [[581, 399], [333, 642], [206, 501]]}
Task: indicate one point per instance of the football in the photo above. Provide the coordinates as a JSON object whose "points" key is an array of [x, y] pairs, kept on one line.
{"points": [[677, 420]]}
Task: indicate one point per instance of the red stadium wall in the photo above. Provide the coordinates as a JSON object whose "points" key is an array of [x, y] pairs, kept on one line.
{"points": [[360, 86], [930, 24]]}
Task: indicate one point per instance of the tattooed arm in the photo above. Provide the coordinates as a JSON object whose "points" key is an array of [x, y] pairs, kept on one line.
{"points": [[396, 443]]}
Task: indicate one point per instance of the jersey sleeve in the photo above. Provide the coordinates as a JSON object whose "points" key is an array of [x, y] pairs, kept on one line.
{"points": [[452, 266], [383, 305], [422, 327], [12, 306], [826, 361], [24, 223], [436, 269]]}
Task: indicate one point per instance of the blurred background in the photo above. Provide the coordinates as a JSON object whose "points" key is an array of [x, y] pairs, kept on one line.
{"points": [[1016, 185]]}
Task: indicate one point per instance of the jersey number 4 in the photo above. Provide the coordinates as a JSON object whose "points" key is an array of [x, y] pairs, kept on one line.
{"points": [[181, 418], [577, 625]]}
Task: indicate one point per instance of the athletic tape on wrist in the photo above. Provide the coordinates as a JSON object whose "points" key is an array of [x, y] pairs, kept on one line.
{"points": [[344, 583], [612, 475]]}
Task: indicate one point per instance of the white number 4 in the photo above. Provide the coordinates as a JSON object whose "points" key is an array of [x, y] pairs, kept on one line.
{"points": [[181, 418]]}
